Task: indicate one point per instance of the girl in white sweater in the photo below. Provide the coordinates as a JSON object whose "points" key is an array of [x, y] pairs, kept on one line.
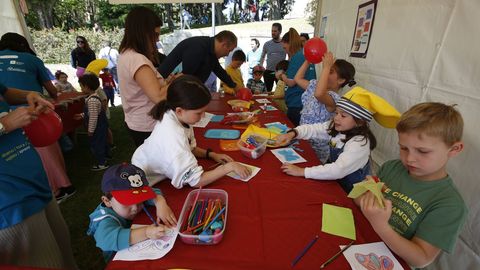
{"points": [[171, 151], [350, 138]]}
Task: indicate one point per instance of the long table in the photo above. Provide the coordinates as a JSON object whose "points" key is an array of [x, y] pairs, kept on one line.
{"points": [[270, 219]]}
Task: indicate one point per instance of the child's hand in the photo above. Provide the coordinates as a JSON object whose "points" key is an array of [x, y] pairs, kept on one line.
{"points": [[294, 170], [164, 213], [376, 215], [220, 158], [283, 139], [279, 73], [155, 232], [328, 60], [239, 169]]}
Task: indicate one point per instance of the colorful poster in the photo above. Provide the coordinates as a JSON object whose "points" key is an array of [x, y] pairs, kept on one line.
{"points": [[323, 26], [363, 29]]}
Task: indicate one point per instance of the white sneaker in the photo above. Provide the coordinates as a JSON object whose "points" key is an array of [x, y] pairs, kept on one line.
{"points": [[99, 167]]}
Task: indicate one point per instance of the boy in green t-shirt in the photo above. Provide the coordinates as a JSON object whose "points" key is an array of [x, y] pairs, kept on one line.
{"points": [[424, 212]]}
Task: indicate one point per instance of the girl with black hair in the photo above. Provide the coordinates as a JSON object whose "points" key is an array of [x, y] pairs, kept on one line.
{"points": [[349, 136], [171, 151]]}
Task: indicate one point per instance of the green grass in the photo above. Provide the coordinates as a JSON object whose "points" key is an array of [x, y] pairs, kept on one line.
{"points": [[76, 209]]}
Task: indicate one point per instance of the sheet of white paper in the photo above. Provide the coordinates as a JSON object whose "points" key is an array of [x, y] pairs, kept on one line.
{"points": [[148, 249], [260, 95], [262, 100], [367, 256], [288, 155], [204, 121], [253, 169]]}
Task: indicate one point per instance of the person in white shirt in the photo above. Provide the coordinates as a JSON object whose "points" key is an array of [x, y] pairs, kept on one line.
{"points": [[111, 55], [171, 151], [350, 138]]}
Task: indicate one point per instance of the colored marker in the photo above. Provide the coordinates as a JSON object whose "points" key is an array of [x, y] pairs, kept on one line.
{"points": [[149, 215], [304, 251]]}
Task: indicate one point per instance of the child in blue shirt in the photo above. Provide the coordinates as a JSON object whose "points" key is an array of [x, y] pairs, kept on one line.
{"points": [[125, 193], [256, 84]]}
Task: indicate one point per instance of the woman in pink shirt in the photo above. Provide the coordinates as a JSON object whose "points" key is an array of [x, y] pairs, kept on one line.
{"points": [[142, 86]]}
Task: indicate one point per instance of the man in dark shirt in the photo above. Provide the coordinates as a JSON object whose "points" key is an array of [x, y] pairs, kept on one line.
{"points": [[199, 56]]}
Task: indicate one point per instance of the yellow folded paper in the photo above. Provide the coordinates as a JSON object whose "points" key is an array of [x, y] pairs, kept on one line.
{"points": [[369, 185]]}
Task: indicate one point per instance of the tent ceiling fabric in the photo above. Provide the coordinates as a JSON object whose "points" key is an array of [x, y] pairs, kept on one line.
{"points": [[162, 1]]}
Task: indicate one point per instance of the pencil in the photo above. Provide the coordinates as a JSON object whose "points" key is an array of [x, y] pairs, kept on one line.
{"points": [[304, 251], [335, 256], [149, 215], [214, 219]]}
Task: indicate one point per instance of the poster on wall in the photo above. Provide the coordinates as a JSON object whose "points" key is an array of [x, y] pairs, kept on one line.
{"points": [[323, 25], [363, 29]]}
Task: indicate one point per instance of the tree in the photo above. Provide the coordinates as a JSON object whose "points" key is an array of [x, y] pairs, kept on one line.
{"points": [[280, 8], [311, 10], [43, 12]]}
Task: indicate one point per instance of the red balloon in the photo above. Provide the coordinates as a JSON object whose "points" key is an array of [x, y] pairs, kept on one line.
{"points": [[244, 94], [314, 49], [44, 131]]}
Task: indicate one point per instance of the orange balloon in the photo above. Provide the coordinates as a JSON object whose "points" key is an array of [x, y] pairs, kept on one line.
{"points": [[314, 49], [44, 131]]}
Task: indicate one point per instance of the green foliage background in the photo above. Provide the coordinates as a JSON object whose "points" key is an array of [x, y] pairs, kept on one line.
{"points": [[54, 46]]}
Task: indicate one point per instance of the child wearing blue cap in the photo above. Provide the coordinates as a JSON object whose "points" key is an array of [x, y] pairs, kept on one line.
{"points": [[125, 191]]}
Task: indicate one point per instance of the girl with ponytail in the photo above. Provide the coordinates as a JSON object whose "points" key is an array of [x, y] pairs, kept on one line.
{"points": [[171, 151]]}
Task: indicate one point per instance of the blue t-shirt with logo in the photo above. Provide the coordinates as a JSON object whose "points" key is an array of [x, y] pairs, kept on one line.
{"points": [[293, 95], [24, 188], [22, 70]]}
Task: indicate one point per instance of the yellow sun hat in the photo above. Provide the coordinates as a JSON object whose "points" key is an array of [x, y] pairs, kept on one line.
{"points": [[365, 105], [96, 65]]}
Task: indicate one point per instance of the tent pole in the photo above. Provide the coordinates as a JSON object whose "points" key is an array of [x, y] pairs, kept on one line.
{"points": [[213, 19]]}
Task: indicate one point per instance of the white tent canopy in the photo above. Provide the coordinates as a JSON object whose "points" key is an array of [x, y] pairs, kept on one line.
{"points": [[421, 50]]}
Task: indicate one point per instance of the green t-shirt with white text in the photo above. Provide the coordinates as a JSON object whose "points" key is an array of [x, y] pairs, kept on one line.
{"points": [[431, 210]]}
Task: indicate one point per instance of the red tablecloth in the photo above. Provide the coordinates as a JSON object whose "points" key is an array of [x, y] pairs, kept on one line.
{"points": [[66, 110], [270, 219]]}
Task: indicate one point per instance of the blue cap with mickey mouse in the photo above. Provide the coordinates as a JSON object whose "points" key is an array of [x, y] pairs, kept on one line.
{"points": [[127, 183]]}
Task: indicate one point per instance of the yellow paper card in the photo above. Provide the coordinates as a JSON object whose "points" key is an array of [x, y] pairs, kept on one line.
{"points": [[338, 220], [369, 185]]}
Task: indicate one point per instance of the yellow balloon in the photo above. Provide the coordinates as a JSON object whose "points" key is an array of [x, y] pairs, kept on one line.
{"points": [[96, 65]]}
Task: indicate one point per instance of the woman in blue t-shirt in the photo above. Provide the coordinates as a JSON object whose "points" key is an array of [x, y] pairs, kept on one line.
{"points": [[32, 230], [292, 44]]}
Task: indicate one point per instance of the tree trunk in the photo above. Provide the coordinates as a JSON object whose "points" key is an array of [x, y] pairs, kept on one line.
{"points": [[169, 16], [218, 14], [275, 7], [44, 11]]}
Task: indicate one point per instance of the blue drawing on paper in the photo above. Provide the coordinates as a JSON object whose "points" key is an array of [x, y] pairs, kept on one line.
{"points": [[289, 155]]}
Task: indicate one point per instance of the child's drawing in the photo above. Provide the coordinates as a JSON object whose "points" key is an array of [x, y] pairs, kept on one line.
{"points": [[378, 257], [288, 155], [149, 249], [374, 262]]}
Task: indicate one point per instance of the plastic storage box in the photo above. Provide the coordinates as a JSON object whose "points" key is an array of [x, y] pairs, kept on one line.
{"points": [[253, 151], [205, 194]]}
